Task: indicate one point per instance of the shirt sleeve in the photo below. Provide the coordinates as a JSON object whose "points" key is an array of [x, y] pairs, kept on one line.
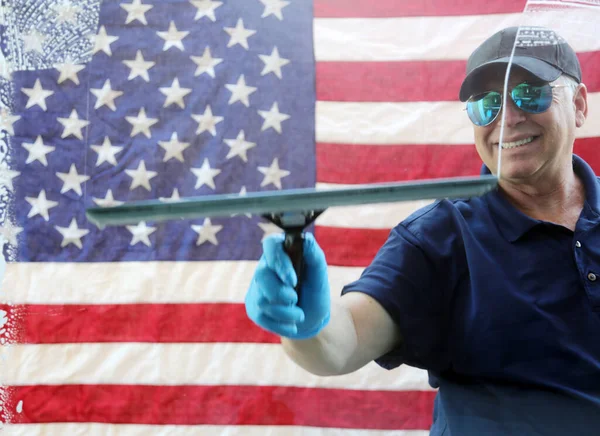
{"points": [[411, 278]]}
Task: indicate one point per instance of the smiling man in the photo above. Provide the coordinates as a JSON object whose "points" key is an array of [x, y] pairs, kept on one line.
{"points": [[546, 104], [497, 297]]}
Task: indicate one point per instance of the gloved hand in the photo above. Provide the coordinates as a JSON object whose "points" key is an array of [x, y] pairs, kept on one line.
{"points": [[271, 300]]}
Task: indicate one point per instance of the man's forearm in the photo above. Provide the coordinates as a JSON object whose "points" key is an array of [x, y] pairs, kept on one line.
{"points": [[331, 351]]}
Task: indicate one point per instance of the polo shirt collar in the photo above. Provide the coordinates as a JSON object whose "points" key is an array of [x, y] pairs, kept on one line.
{"points": [[513, 223]]}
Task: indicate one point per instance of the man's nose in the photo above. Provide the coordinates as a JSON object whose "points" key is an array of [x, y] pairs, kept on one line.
{"points": [[512, 114]]}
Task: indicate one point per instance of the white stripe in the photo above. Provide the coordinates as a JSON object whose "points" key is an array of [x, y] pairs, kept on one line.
{"points": [[195, 430], [140, 282], [372, 216], [436, 38], [589, 5], [409, 123], [185, 363], [393, 123]]}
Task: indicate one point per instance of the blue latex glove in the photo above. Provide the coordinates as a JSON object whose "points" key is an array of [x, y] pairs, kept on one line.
{"points": [[272, 302]]}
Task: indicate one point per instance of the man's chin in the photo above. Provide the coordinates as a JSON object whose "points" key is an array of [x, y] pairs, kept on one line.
{"points": [[518, 172]]}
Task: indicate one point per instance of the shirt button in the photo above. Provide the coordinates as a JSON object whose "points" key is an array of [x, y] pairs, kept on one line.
{"points": [[578, 244], [592, 277]]}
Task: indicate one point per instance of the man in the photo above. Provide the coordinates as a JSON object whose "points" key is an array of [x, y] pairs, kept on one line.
{"points": [[498, 297]]}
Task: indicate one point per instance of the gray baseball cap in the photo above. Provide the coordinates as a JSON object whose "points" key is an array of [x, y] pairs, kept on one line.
{"points": [[540, 51]]}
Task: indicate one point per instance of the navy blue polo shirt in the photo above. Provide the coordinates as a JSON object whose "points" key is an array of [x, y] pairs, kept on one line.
{"points": [[502, 310]]}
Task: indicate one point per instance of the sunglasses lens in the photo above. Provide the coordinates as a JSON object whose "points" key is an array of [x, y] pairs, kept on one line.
{"points": [[484, 108], [531, 98]]}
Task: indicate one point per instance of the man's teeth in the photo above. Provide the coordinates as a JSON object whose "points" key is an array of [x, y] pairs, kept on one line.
{"points": [[517, 143]]}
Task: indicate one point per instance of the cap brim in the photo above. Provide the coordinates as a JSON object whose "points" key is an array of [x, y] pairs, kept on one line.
{"points": [[540, 69]]}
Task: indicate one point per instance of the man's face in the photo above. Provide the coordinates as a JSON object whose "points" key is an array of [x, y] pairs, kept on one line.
{"points": [[553, 131]]}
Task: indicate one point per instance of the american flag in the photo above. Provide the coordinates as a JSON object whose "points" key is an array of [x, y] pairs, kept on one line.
{"points": [[139, 330]]}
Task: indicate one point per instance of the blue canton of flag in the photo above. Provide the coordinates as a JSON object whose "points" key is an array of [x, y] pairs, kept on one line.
{"points": [[180, 98]]}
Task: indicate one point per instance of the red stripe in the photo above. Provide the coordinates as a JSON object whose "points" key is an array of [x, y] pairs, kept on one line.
{"points": [[587, 149], [223, 405], [412, 8], [159, 323], [590, 63], [350, 247], [410, 81], [389, 81], [356, 164]]}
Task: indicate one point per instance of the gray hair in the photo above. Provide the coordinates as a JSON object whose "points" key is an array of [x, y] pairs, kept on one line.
{"points": [[570, 82]]}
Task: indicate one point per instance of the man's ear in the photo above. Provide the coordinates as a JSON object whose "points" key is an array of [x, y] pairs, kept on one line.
{"points": [[581, 106]]}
